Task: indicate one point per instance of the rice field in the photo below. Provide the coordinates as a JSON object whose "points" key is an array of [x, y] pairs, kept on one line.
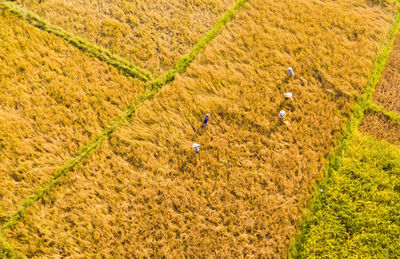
{"points": [[356, 213], [53, 99], [387, 93], [380, 127], [354, 210], [152, 34], [145, 192]]}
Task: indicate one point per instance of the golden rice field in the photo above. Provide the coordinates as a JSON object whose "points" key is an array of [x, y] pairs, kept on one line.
{"points": [[53, 99], [387, 93], [380, 127], [387, 96], [354, 210], [145, 193], [152, 34]]}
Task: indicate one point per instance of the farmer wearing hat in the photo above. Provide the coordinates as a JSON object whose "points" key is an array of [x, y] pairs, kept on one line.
{"points": [[196, 147]]}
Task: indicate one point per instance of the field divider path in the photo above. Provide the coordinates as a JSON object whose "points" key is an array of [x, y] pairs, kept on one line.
{"points": [[83, 152], [349, 132], [98, 52], [388, 114]]}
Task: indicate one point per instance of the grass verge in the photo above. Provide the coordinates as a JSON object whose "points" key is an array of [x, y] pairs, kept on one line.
{"points": [[100, 53], [388, 114], [298, 245], [86, 150]]}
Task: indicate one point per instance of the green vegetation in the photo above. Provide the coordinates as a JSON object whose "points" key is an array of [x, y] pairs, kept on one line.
{"points": [[356, 212]]}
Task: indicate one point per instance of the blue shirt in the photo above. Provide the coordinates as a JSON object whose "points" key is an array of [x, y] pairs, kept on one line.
{"points": [[206, 120]]}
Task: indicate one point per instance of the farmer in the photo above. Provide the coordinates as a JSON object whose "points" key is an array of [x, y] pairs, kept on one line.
{"points": [[196, 147], [206, 120], [282, 115], [288, 96], [290, 72]]}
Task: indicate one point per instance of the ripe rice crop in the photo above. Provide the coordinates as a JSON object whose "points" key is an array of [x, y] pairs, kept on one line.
{"points": [[153, 34], [145, 192], [53, 99], [349, 214], [381, 127], [387, 93]]}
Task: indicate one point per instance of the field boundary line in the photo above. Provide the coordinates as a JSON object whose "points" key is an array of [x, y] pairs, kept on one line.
{"points": [[350, 130], [84, 151], [388, 114], [102, 54]]}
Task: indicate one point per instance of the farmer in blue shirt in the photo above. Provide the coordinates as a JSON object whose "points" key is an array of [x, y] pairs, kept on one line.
{"points": [[206, 120]]}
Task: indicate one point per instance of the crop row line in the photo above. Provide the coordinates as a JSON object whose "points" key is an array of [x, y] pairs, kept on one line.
{"points": [[349, 132], [388, 114], [153, 87], [92, 49]]}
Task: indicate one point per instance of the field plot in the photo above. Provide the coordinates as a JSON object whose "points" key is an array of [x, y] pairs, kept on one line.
{"points": [[387, 93], [146, 193], [380, 127], [357, 213], [52, 100], [152, 34]]}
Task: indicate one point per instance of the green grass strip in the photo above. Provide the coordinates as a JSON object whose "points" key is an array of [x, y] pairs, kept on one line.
{"points": [[389, 115], [296, 248], [118, 122], [100, 53]]}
